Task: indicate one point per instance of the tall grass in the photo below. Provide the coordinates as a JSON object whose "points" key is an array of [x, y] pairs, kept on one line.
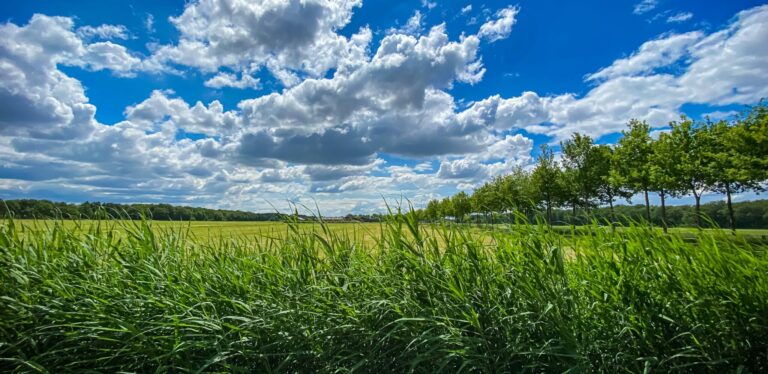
{"points": [[420, 299]]}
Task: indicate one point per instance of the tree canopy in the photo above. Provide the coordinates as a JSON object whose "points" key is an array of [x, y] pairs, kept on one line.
{"points": [[683, 158]]}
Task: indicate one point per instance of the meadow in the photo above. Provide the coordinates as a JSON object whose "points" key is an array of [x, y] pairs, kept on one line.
{"points": [[398, 296], [245, 231]]}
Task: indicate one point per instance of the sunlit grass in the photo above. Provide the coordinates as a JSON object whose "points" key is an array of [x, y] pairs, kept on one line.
{"points": [[144, 296]]}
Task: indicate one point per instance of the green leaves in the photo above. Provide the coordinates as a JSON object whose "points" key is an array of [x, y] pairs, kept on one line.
{"points": [[423, 298], [633, 157]]}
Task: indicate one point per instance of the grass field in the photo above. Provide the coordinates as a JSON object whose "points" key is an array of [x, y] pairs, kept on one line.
{"points": [[204, 230], [154, 296], [368, 232]]}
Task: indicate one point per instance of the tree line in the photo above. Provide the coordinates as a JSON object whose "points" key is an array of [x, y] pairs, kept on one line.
{"points": [[44, 209], [691, 158]]}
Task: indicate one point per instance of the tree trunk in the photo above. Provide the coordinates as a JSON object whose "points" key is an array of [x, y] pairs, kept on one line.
{"points": [[647, 208], [663, 211], [549, 213], [697, 197], [613, 212], [573, 216], [731, 219]]}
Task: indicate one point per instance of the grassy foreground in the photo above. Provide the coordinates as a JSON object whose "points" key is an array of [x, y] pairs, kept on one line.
{"points": [[414, 299]]}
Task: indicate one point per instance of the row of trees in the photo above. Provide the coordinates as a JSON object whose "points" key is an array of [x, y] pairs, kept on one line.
{"points": [[751, 214], [44, 209], [693, 157]]}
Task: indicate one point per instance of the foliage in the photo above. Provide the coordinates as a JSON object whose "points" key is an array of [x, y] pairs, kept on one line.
{"points": [[547, 180], [44, 209], [421, 300], [688, 158], [581, 165]]}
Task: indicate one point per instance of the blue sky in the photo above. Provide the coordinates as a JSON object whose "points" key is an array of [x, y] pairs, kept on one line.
{"points": [[243, 104]]}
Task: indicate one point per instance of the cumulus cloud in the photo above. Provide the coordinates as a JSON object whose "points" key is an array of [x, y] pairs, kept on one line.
{"points": [[49, 41], [500, 27], [330, 135], [49, 121], [110, 56], [37, 98], [286, 36], [393, 103], [722, 68], [158, 110], [332, 173], [221, 80], [461, 169]]}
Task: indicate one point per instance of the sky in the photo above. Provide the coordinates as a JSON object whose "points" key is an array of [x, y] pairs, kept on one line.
{"points": [[344, 104]]}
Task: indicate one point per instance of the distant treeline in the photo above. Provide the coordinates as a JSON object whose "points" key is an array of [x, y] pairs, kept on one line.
{"points": [[44, 209], [689, 159], [748, 215]]}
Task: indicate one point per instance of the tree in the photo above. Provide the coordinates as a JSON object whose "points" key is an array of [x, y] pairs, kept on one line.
{"points": [[580, 161], [608, 188], [752, 142], [546, 181], [666, 176], [633, 157], [461, 205], [516, 192], [483, 199], [446, 208], [432, 211], [734, 168], [691, 141]]}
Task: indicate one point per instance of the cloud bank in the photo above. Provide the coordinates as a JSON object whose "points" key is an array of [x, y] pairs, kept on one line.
{"points": [[347, 108]]}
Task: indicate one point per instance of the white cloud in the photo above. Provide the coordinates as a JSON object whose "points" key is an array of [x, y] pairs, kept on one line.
{"points": [[645, 6], [500, 27], [466, 9], [392, 103], [49, 41], [722, 68], [286, 36], [728, 66], [326, 136], [53, 146], [718, 115], [652, 54], [680, 17], [221, 80], [159, 111], [110, 56], [106, 32], [462, 169], [149, 23], [37, 98], [412, 27]]}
